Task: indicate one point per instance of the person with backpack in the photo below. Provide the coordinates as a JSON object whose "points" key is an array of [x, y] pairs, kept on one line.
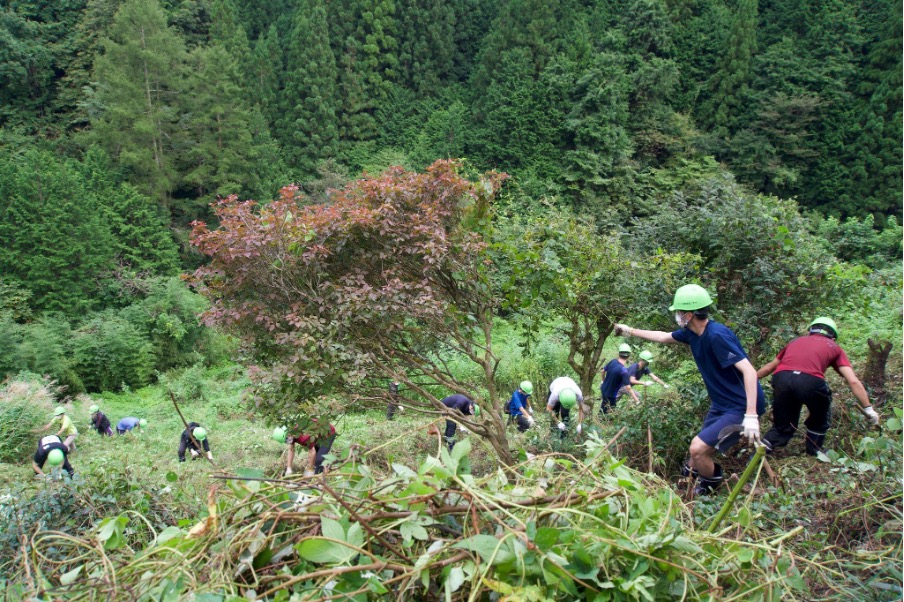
{"points": [[798, 379], [518, 408], [51, 449], [564, 394], [67, 428], [616, 381], [736, 398], [194, 446], [641, 368], [100, 422]]}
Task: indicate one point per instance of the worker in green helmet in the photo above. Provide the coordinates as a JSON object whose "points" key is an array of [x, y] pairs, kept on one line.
{"points": [[641, 368], [193, 439], [564, 395], [615, 380], [798, 379], [67, 428], [100, 422], [51, 449], [518, 407], [736, 398]]}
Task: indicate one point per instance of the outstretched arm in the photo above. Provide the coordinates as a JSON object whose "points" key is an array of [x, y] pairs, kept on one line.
{"points": [[656, 336], [855, 385]]}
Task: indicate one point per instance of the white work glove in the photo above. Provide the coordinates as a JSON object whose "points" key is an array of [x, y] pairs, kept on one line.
{"points": [[463, 430], [210, 456], [561, 426], [751, 426], [288, 471], [647, 383], [665, 385], [401, 408], [530, 411], [871, 415], [308, 473], [622, 330], [194, 453], [578, 428], [530, 420]]}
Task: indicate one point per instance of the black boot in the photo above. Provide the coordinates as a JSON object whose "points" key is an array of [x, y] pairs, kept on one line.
{"points": [[814, 442], [708, 485], [687, 471]]}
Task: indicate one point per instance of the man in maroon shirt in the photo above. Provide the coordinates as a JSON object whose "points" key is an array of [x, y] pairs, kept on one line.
{"points": [[318, 447], [799, 380]]}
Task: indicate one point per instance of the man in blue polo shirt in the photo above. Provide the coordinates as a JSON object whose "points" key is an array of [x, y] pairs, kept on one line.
{"points": [[616, 381], [735, 394]]}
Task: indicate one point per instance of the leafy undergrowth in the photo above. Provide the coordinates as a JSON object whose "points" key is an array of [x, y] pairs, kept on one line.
{"points": [[591, 530]]}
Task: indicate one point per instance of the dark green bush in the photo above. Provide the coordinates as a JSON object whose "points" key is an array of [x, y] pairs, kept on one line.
{"points": [[111, 352]]}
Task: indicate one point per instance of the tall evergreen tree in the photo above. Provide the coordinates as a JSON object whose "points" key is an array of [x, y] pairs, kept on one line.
{"points": [[308, 127], [730, 83], [267, 67], [426, 44], [140, 76]]}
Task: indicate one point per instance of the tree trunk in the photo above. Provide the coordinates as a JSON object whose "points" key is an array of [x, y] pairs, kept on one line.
{"points": [[874, 373]]}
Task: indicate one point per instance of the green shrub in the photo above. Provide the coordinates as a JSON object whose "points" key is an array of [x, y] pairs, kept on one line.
{"points": [[110, 352], [25, 404]]}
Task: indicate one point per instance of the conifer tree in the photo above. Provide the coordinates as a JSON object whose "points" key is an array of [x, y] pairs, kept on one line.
{"points": [[730, 84], [140, 78], [308, 127]]}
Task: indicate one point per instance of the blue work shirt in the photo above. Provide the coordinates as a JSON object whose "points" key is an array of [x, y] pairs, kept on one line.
{"points": [[127, 424], [519, 400], [636, 371], [616, 378], [716, 352]]}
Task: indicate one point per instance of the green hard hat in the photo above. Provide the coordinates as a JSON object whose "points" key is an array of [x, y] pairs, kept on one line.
{"points": [[690, 297], [568, 398], [828, 322], [279, 434], [94, 409], [527, 387], [646, 356], [199, 433], [56, 457], [624, 348], [142, 423], [476, 410], [59, 411]]}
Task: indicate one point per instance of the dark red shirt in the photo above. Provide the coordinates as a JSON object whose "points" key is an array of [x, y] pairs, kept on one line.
{"points": [[812, 354], [306, 440]]}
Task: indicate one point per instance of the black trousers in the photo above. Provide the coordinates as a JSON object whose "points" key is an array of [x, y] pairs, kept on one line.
{"points": [[322, 450], [521, 421], [451, 427], [792, 391], [564, 415], [607, 403]]}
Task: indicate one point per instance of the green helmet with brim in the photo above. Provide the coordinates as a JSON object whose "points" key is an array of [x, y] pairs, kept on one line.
{"points": [[476, 410], [199, 433], [527, 387], [691, 297], [56, 457], [826, 323], [568, 398], [59, 411], [94, 409], [624, 348], [142, 423], [279, 434], [646, 356]]}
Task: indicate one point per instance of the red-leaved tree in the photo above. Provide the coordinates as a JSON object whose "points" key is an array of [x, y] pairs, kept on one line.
{"points": [[393, 279]]}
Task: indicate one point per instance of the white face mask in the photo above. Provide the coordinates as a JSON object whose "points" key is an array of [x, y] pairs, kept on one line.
{"points": [[679, 319]]}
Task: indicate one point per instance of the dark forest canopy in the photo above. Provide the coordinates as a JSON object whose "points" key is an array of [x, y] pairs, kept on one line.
{"points": [[589, 101]]}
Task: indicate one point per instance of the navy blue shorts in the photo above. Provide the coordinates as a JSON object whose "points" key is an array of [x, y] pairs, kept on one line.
{"points": [[714, 423]]}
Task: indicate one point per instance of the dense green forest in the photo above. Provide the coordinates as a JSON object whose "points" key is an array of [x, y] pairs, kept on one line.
{"points": [[264, 211]]}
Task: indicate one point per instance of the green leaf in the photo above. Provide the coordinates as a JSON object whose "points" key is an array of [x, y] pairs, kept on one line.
{"points": [[172, 477], [487, 547], [167, 534], [319, 550], [355, 536], [546, 538], [456, 578], [331, 528], [69, 578]]}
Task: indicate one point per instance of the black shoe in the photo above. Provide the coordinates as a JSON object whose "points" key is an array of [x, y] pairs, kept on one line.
{"points": [[708, 485]]}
